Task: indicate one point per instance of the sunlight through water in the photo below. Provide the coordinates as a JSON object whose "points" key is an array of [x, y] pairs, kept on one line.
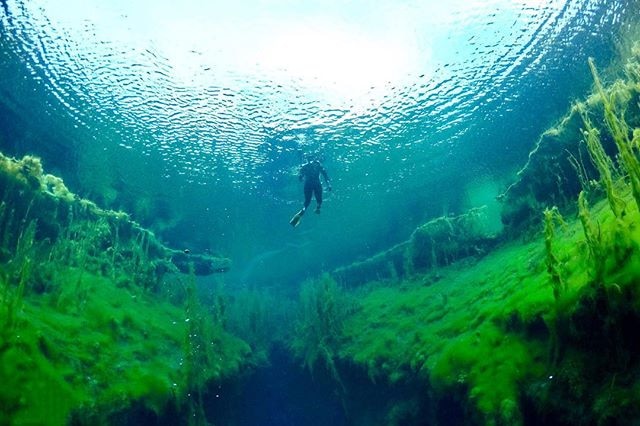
{"points": [[220, 85], [409, 103]]}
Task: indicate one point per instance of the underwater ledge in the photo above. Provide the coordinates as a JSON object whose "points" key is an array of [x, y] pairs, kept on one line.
{"points": [[100, 323], [28, 194], [540, 328]]}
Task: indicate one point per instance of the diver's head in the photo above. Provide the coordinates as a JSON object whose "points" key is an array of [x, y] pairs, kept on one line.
{"points": [[312, 157]]}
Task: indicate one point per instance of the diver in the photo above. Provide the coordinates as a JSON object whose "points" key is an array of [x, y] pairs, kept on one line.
{"points": [[311, 172]]}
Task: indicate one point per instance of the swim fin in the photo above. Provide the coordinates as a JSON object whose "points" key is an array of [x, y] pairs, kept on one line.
{"points": [[295, 220]]}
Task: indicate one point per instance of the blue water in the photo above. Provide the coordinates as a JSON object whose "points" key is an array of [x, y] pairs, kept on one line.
{"points": [[194, 117]]}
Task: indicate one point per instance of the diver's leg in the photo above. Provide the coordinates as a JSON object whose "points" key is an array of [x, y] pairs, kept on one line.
{"points": [[318, 193], [308, 191]]}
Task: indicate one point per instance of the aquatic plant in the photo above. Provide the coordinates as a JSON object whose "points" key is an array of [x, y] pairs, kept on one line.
{"points": [[593, 236], [619, 130], [490, 332], [551, 217], [614, 108], [579, 166], [261, 318], [434, 244], [84, 330], [210, 354], [602, 162], [318, 329], [473, 335], [446, 239], [14, 278]]}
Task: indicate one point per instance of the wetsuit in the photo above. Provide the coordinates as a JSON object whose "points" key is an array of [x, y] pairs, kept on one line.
{"points": [[310, 172]]}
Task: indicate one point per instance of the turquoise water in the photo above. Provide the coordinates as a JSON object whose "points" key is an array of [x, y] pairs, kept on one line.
{"points": [[195, 118]]}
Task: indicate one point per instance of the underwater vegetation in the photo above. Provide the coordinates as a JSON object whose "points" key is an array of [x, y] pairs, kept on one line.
{"points": [[319, 326], [540, 331], [100, 323], [437, 243], [549, 176], [96, 320]]}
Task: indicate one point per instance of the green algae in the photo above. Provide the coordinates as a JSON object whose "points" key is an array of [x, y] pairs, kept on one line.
{"points": [[318, 327], [617, 126], [551, 216], [545, 325], [548, 322], [455, 332], [262, 319], [87, 324], [436, 243], [491, 328], [602, 162], [608, 114], [115, 348]]}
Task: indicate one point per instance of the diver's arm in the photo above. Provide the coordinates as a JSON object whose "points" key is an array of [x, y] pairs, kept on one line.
{"points": [[326, 178]]}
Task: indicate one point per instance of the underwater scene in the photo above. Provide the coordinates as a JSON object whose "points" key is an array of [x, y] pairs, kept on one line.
{"points": [[301, 213]]}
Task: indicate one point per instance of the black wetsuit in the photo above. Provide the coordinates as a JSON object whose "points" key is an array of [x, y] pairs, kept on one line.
{"points": [[310, 172]]}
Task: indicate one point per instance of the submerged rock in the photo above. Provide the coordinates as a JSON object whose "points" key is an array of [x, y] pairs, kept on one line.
{"points": [[78, 231]]}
